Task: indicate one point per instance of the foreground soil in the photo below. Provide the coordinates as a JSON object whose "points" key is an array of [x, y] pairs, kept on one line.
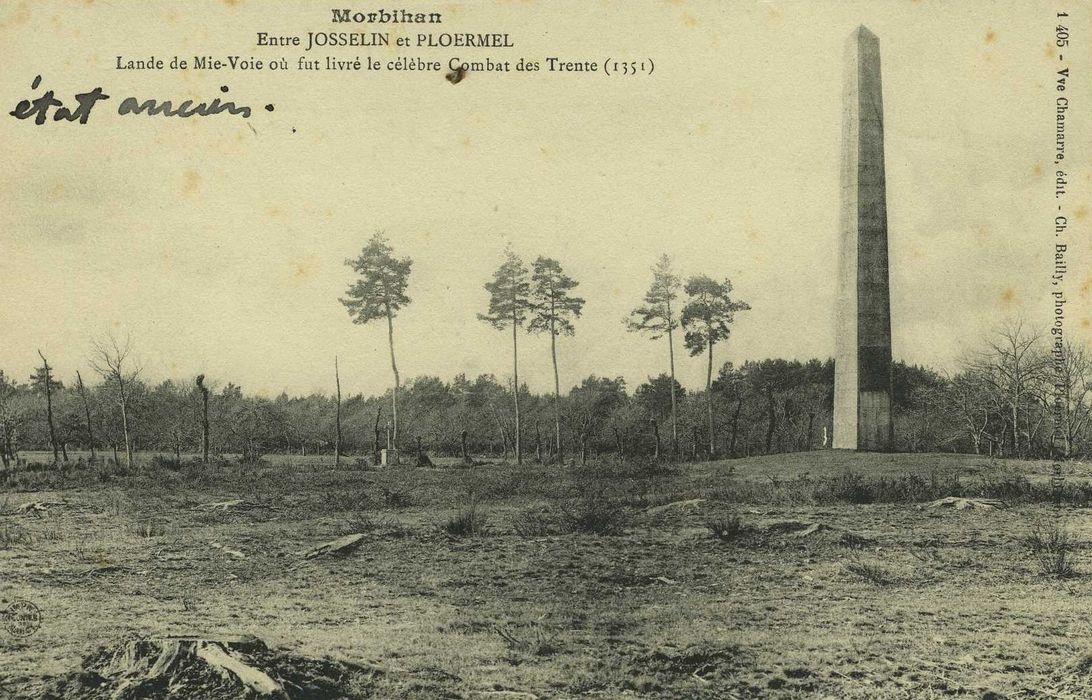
{"points": [[713, 580]]}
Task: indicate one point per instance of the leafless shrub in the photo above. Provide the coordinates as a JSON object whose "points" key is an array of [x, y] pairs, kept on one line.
{"points": [[531, 523], [148, 529], [871, 572], [851, 540], [535, 638], [594, 515], [1053, 548], [13, 536], [398, 495], [380, 525], [469, 522], [728, 528]]}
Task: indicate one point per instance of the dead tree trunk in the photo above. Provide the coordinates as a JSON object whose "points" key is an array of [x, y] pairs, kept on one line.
{"points": [[694, 450], [538, 443], [337, 420], [466, 452], [86, 414], [735, 426], [48, 380], [422, 456], [656, 438], [375, 440], [204, 418], [771, 420]]}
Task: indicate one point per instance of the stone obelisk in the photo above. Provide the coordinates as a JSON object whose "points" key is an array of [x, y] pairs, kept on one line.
{"points": [[862, 369]]}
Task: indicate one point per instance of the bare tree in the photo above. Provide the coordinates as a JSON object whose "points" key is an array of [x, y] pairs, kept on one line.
{"points": [[1073, 387], [43, 381], [86, 413], [337, 416], [1013, 365], [203, 388], [110, 359]]}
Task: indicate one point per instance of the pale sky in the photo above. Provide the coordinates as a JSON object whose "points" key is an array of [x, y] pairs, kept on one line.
{"points": [[218, 243]]}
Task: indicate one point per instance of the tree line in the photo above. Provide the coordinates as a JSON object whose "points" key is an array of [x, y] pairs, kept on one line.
{"points": [[1011, 397]]}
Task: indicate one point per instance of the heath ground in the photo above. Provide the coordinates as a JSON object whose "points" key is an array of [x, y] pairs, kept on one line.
{"points": [[819, 574]]}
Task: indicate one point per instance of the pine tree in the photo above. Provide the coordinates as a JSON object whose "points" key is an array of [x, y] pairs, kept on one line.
{"points": [[554, 311], [380, 292], [657, 319], [509, 304], [706, 318]]}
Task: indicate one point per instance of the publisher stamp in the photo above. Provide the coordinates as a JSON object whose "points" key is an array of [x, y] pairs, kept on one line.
{"points": [[22, 618]]}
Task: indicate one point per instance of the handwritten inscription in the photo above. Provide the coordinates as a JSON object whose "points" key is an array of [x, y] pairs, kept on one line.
{"points": [[46, 107]]}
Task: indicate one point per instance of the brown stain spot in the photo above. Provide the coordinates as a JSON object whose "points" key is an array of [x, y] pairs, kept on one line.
{"points": [[1037, 171], [1086, 287], [275, 211], [545, 151], [689, 20], [232, 3], [742, 102], [983, 231], [57, 191], [21, 14], [1048, 50], [917, 253], [191, 181], [753, 234], [1008, 296], [465, 142], [304, 270], [1085, 323], [1081, 213], [991, 36]]}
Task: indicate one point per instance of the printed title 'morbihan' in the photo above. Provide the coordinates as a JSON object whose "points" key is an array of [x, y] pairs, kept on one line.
{"points": [[384, 16]]}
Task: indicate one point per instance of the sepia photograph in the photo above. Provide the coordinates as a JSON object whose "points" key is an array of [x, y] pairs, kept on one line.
{"points": [[524, 350]]}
